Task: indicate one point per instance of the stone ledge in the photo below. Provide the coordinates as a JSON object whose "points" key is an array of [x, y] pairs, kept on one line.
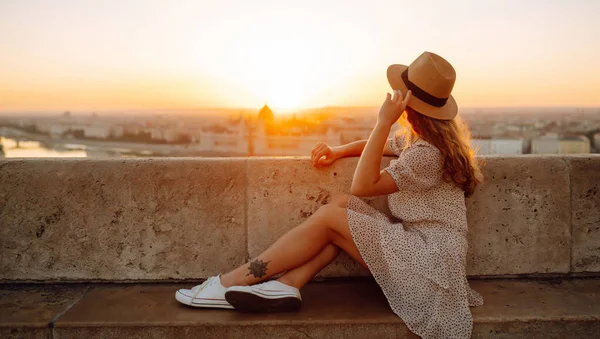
{"points": [[512, 308], [518, 222], [174, 218], [585, 213], [113, 220]]}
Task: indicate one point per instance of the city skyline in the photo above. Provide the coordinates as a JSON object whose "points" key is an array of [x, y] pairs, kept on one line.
{"points": [[355, 110], [144, 55]]}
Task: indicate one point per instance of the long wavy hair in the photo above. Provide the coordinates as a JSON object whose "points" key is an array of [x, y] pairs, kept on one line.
{"points": [[451, 137]]}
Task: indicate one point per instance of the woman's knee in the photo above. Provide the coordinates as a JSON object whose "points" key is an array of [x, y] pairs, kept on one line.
{"points": [[340, 200], [334, 207], [326, 211], [331, 215]]}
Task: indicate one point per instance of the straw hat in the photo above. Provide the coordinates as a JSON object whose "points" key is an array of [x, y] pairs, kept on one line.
{"points": [[430, 78]]}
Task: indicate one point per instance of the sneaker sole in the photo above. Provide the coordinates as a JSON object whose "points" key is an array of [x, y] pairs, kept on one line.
{"points": [[251, 303], [184, 299]]}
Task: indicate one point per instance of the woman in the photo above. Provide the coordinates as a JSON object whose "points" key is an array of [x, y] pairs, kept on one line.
{"points": [[419, 262]]}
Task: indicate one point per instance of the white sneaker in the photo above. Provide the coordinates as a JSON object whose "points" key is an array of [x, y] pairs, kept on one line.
{"points": [[270, 296], [210, 294]]}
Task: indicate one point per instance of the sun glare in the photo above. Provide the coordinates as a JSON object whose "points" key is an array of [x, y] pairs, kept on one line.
{"points": [[292, 56], [284, 63], [276, 72]]}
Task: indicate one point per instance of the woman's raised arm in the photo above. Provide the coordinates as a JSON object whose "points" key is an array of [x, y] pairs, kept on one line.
{"points": [[368, 179]]}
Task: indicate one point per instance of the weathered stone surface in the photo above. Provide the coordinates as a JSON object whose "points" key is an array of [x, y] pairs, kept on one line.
{"points": [[26, 311], [283, 192], [537, 309], [186, 218], [519, 219], [151, 312], [358, 309], [585, 174], [121, 219]]}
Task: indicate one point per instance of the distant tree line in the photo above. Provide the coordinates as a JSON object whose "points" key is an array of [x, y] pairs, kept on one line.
{"points": [[140, 137]]}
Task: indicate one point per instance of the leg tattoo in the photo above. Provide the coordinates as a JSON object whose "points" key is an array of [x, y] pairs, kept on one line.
{"points": [[258, 268]]}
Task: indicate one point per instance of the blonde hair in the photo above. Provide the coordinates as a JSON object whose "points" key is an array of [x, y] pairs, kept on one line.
{"points": [[451, 137]]}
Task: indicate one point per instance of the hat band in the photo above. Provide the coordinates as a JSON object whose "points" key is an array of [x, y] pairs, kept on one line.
{"points": [[421, 94]]}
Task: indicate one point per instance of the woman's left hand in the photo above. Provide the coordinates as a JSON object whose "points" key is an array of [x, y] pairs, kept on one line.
{"points": [[392, 107], [324, 155]]}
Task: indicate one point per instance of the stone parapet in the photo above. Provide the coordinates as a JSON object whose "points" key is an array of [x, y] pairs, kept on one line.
{"points": [[190, 218]]}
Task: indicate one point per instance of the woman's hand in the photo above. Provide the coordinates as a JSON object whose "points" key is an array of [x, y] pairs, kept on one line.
{"points": [[392, 108], [321, 150]]}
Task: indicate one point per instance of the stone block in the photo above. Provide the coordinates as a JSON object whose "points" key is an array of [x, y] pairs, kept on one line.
{"points": [[283, 192], [513, 308], [26, 311], [585, 176], [121, 219], [519, 219], [532, 309]]}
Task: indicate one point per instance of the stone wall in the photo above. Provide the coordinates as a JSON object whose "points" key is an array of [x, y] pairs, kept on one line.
{"points": [[155, 219]]}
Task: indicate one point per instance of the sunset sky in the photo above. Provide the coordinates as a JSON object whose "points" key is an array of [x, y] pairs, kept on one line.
{"points": [[101, 55]]}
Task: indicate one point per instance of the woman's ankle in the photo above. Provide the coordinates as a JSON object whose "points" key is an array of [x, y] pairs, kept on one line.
{"points": [[290, 282], [234, 278], [226, 280]]}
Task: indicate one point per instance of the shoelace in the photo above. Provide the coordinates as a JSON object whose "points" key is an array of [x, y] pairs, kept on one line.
{"points": [[200, 287]]}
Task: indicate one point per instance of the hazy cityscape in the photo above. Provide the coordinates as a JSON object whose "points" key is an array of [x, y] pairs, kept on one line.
{"points": [[263, 132]]}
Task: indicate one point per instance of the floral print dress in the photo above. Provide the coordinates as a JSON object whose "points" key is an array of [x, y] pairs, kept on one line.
{"points": [[420, 261]]}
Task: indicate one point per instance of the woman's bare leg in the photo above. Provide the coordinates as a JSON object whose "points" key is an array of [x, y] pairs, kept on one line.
{"points": [[328, 225], [302, 274]]}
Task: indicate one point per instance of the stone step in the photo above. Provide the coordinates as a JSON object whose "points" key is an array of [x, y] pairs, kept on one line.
{"points": [[147, 219], [334, 309]]}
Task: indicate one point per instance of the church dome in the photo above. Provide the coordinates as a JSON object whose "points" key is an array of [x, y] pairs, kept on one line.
{"points": [[266, 113]]}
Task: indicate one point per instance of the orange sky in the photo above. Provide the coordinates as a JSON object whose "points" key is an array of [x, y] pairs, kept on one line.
{"points": [[84, 55]]}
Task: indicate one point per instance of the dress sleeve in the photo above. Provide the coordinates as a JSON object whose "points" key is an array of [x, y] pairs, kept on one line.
{"points": [[396, 144], [418, 168]]}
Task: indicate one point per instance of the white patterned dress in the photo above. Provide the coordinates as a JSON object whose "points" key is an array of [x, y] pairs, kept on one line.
{"points": [[420, 261]]}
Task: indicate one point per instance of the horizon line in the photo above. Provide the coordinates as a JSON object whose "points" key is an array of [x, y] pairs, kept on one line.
{"points": [[291, 111]]}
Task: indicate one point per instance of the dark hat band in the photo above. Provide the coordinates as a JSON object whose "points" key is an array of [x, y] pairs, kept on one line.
{"points": [[421, 94]]}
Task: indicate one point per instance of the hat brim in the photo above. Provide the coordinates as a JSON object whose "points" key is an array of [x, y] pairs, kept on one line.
{"points": [[446, 112]]}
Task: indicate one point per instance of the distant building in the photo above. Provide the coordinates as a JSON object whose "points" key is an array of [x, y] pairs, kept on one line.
{"points": [[481, 146], [545, 145], [157, 134], [264, 136], [173, 134], [117, 131], [580, 144], [555, 145], [133, 128], [354, 130], [266, 114], [57, 130], [44, 126], [497, 146], [222, 143], [507, 146], [98, 131]]}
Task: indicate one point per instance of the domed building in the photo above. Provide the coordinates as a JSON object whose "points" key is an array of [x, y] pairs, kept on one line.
{"points": [[266, 114]]}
